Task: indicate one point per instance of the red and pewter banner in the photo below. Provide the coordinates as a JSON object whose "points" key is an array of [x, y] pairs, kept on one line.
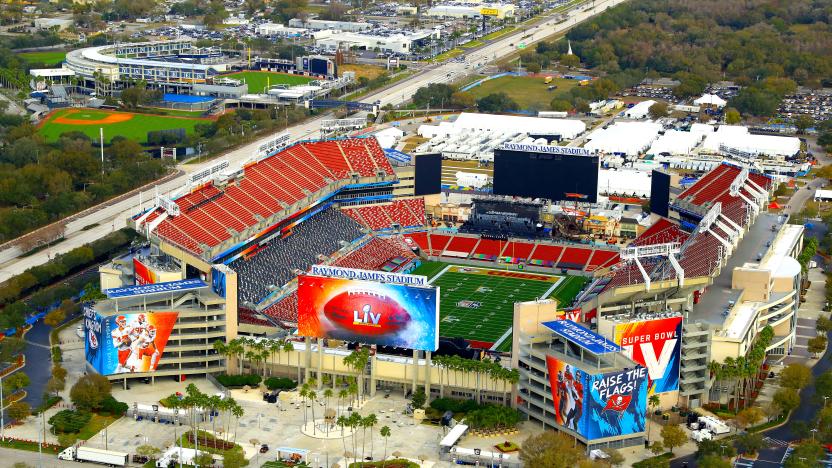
{"points": [[656, 345]]}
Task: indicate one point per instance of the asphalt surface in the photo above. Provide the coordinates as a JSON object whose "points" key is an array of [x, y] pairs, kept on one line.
{"points": [[114, 217], [38, 363]]}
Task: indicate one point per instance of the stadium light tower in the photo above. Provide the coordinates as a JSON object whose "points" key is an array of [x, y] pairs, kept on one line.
{"points": [[669, 250]]}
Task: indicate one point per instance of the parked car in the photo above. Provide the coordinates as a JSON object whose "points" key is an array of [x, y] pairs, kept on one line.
{"points": [[264, 448]]}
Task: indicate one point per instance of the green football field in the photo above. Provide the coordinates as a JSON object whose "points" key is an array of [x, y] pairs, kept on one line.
{"points": [[126, 124], [477, 304], [46, 58], [258, 80]]}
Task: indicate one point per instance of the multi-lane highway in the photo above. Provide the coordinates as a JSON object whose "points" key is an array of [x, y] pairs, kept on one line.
{"points": [[109, 218]]}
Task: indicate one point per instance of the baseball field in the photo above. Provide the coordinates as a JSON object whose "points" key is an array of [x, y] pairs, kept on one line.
{"points": [[258, 81], [126, 124], [477, 304]]}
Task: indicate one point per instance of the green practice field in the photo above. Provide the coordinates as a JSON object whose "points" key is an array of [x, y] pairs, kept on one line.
{"points": [[258, 80], [526, 91], [126, 124], [478, 303], [46, 58]]}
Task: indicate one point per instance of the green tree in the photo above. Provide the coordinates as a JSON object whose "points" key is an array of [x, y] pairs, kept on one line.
{"points": [[709, 447], [673, 436], [19, 410], [418, 399], [570, 61], [658, 110], [787, 399], [802, 122], [805, 455], [204, 459], [385, 433], [795, 375], [749, 442], [816, 345], [749, 417], [560, 105], [90, 391], [233, 459], [435, 95], [497, 102], [657, 448], [550, 448], [732, 116]]}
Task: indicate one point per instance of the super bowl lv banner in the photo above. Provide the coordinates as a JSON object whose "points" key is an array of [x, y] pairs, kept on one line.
{"points": [[656, 345]]}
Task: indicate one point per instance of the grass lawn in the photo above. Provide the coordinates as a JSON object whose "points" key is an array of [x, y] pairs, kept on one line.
{"points": [[472, 44], [496, 34], [128, 125], [369, 71], [258, 80], [448, 55], [97, 424], [47, 58], [478, 303], [528, 92]]}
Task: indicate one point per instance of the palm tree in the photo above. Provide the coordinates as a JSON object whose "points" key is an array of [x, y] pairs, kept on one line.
{"points": [[327, 395], [353, 389], [250, 354], [304, 392], [312, 397], [288, 347], [264, 358], [343, 422], [221, 348], [342, 396], [385, 432], [355, 421], [370, 421], [275, 347], [653, 402], [238, 413]]}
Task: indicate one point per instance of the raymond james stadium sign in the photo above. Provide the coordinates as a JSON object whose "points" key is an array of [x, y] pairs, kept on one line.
{"points": [[565, 150], [367, 275]]}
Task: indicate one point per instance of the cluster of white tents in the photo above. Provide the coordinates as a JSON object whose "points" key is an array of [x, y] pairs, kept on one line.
{"points": [[629, 138]]}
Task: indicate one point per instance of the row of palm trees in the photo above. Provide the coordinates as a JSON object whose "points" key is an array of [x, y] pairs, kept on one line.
{"points": [[485, 368], [355, 421], [257, 352], [196, 403], [308, 392], [743, 372]]}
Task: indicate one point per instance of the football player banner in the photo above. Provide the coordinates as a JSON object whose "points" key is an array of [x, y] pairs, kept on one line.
{"points": [[567, 384], [598, 405], [615, 403], [656, 345], [368, 312], [126, 343]]}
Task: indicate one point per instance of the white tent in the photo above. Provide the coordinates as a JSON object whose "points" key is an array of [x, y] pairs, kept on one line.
{"points": [[624, 182], [675, 142], [640, 110], [630, 138], [738, 138], [388, 137], [565, 128], [710, 100]]}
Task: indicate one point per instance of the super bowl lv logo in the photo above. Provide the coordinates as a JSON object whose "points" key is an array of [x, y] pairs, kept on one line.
{"points": [[656, 345]]}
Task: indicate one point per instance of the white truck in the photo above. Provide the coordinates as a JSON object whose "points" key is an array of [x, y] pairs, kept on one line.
{"points": [[89, 454], [702, 434], [714, 425]]}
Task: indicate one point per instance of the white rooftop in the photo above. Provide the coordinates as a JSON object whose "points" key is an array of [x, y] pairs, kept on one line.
{"points": [[566, 128]]}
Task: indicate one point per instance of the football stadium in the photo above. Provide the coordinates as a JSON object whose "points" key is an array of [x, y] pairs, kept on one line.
{"points": [[337, 244]]}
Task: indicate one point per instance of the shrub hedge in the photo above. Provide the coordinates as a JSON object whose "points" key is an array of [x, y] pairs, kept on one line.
{"points": [[239, 380], [280, 383]]}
